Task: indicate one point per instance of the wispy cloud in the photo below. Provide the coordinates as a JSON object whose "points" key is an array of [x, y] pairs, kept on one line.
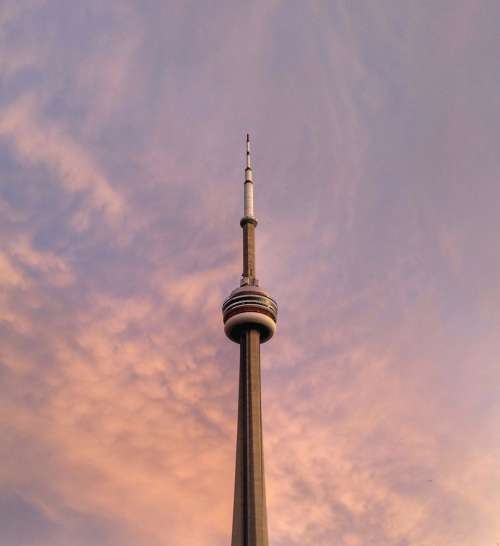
{"points": [[47, 144]]}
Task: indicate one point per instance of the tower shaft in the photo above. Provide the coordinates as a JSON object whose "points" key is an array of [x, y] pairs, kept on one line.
{"points": [[249, 250], [249, 513]]}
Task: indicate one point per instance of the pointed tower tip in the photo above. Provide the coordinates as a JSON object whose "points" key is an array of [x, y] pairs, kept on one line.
{"points": [[249, 165], [248, 183]]}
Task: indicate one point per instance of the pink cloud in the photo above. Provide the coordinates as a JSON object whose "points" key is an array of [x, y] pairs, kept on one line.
{"points": [[47, 144]]}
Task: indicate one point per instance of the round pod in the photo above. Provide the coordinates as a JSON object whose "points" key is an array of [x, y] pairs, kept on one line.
{"points": [[249, 307]]}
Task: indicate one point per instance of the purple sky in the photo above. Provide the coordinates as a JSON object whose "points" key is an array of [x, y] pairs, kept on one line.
{"points": [[376, 130]]}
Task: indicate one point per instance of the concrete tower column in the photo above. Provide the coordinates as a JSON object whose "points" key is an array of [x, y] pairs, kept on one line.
{"points": [[249, 512], [249, 250]]}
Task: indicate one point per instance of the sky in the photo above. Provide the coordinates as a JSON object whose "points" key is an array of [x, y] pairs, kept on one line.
{"points": [[375, 130]]}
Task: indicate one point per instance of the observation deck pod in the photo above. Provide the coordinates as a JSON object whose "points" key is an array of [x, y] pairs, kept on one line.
{"points": [[249, 307]]}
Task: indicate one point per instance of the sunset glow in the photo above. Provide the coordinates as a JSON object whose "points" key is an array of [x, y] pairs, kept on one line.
{"points": [[375, 147]]}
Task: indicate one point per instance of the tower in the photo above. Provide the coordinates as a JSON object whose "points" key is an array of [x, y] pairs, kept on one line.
{"points": [[249, 319]]}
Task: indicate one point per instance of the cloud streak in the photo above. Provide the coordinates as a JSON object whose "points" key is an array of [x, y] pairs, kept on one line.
{"points": [[48, 146]]}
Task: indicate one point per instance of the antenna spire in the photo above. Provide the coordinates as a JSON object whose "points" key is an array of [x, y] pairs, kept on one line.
{"points": [[248, 212], [249, 164]]}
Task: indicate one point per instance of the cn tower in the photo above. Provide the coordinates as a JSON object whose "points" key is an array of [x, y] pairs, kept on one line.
{"points": [[249, 319]]}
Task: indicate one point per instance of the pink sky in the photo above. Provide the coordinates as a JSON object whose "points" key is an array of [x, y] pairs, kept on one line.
{"points": [[375, 131]]}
